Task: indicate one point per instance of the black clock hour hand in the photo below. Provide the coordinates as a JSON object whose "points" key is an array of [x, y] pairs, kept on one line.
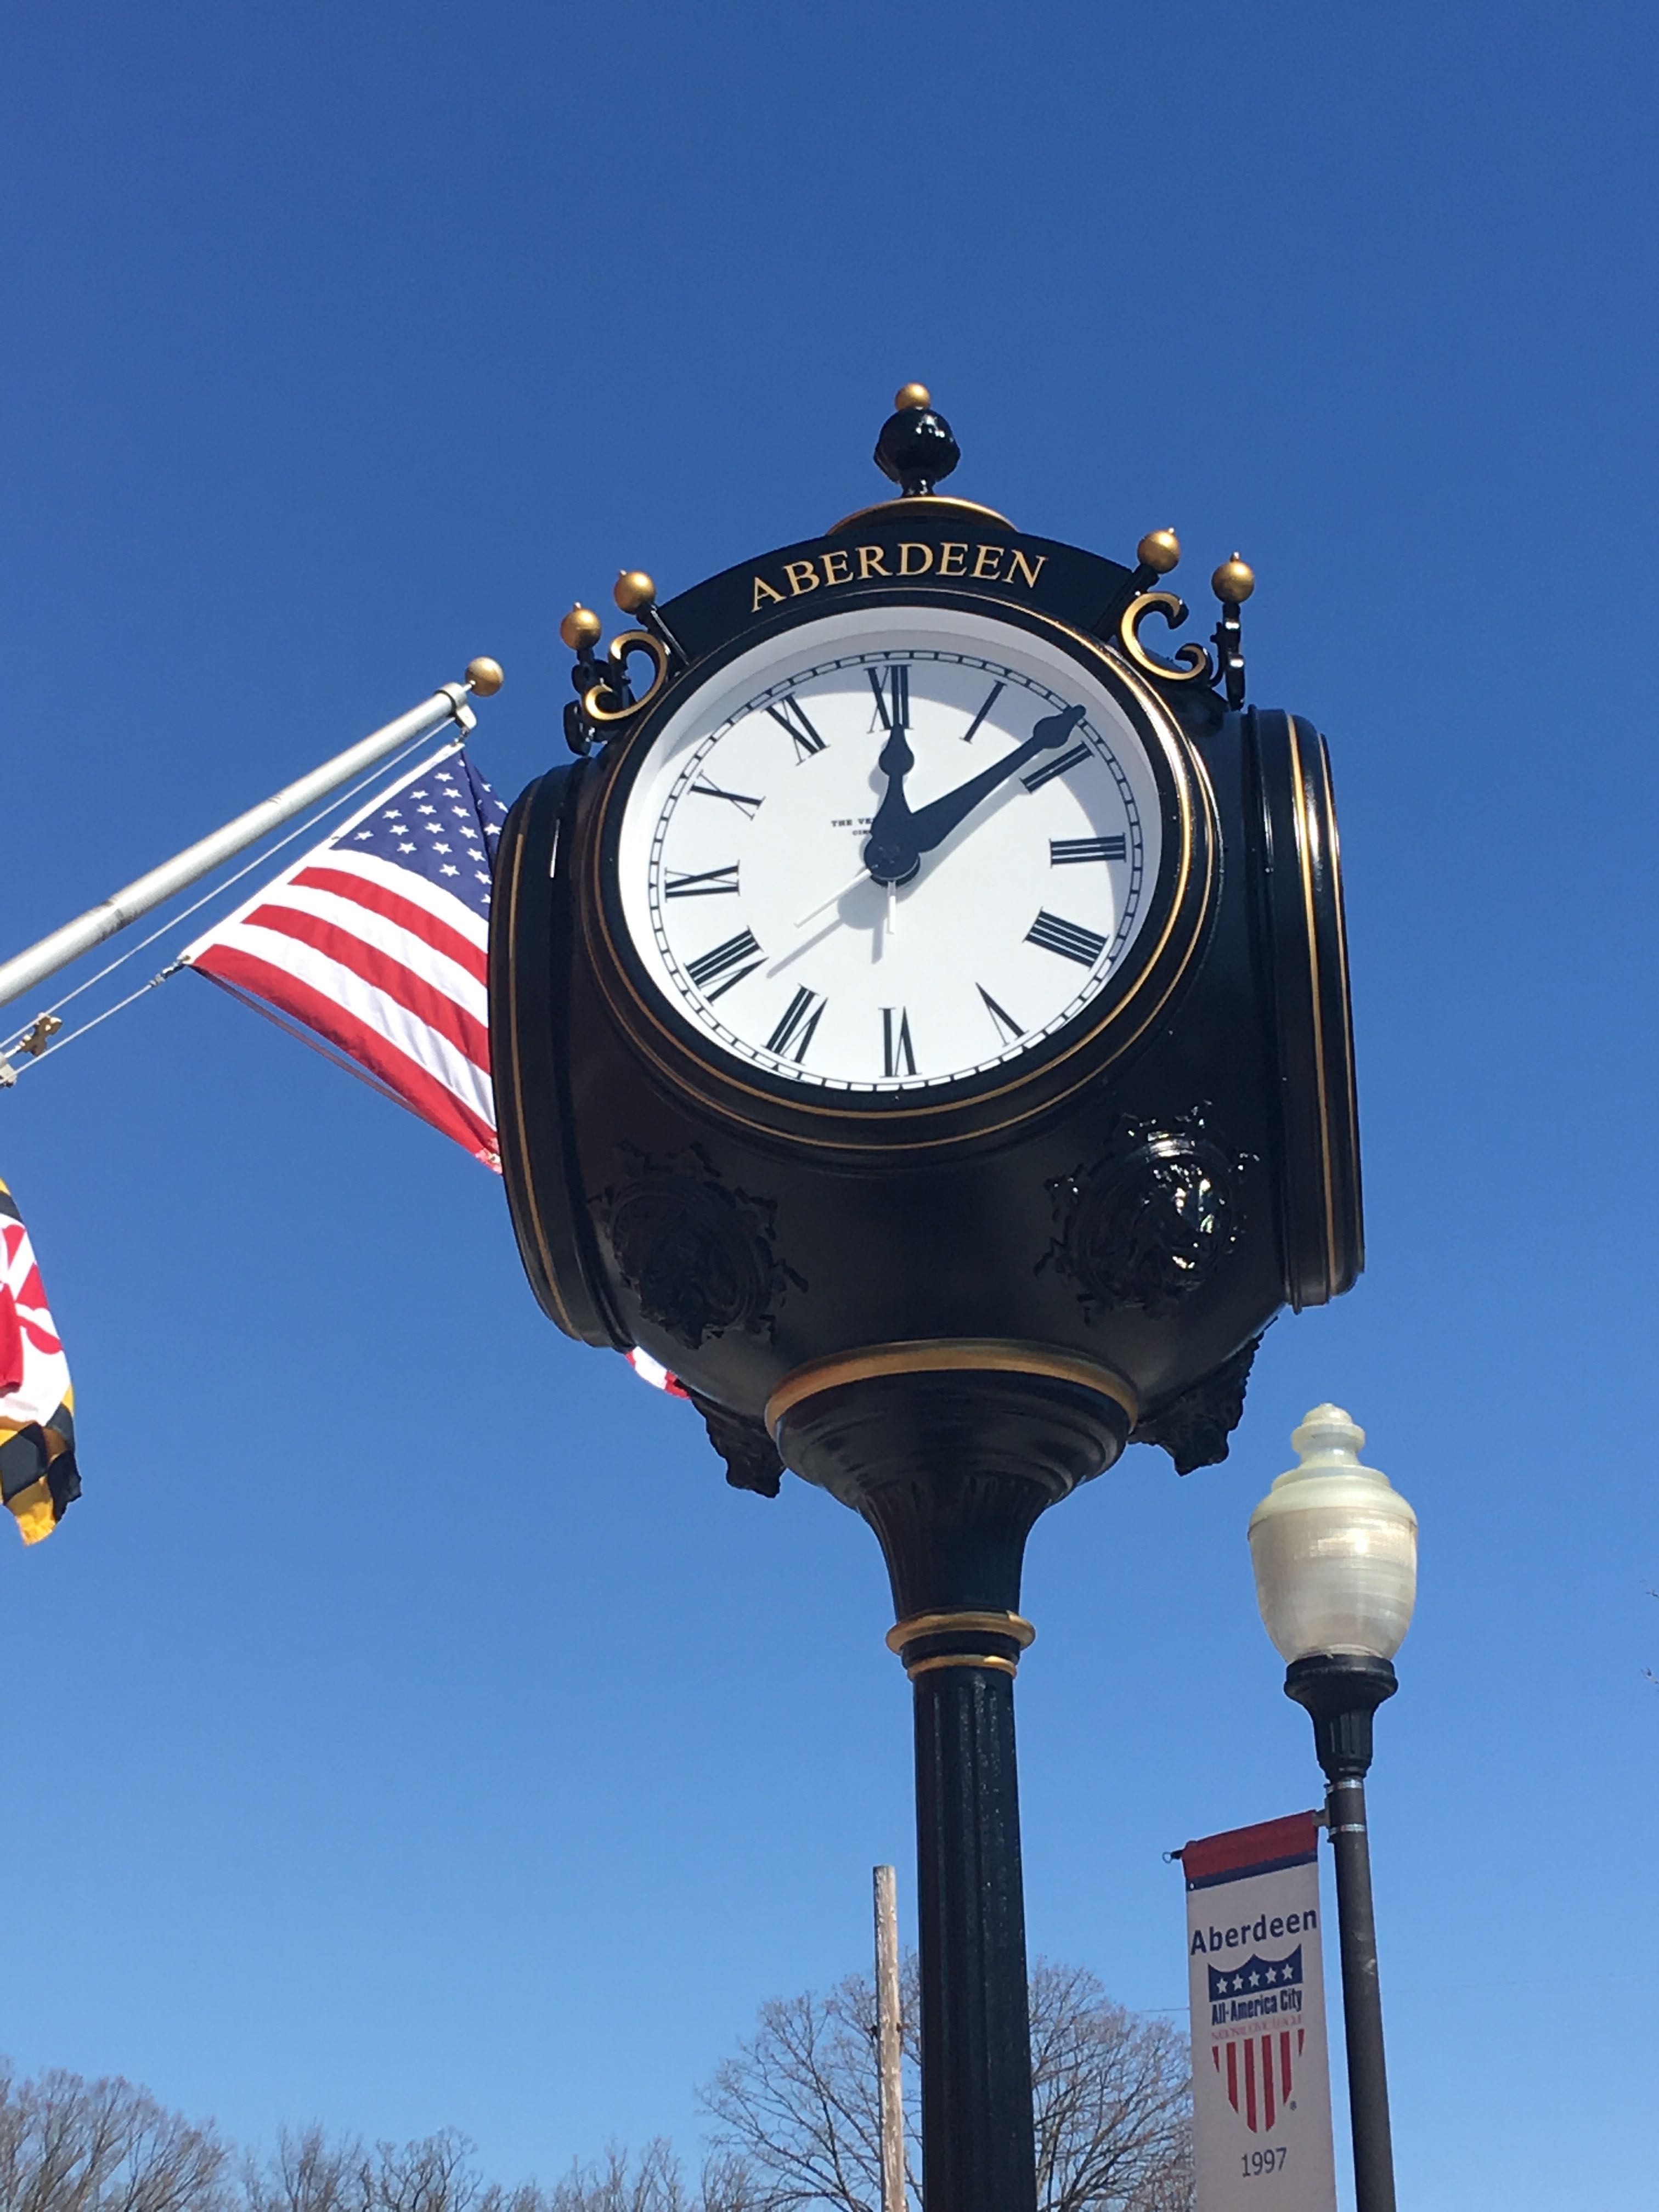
{"points": [[933, 824], [890, 852]]}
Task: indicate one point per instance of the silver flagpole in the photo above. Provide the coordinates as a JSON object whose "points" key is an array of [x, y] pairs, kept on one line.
{"points": [[24, 970]]}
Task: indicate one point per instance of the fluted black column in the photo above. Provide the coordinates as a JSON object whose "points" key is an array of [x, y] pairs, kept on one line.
{"points": [[951, 1469], [976, 2031]]}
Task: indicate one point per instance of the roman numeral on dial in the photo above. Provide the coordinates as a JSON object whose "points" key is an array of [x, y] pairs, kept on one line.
{"points": [[716, 966], [800, 1019], [972, 731], [892, 689], [1050, 769], [791, 716], [1063, 851], [1069, 939], [749, 808], [1008, 1029], [706, 885], [897, 1055]]}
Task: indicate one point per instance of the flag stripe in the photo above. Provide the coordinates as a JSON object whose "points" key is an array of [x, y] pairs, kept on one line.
{"points": [[380, 935], [362, 891], [315, 973], [372, 868], [413, 992], [432, 1100]]}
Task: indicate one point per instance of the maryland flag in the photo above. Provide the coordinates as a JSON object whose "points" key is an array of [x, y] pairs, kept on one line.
{"points": [[38, 1474]]}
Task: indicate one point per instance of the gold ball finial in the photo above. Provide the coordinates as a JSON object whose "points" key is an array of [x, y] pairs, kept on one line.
{"points": [[1159, 550], [635, 591], [486, 676], [1233, 581], [581, 627], [912, 395]]}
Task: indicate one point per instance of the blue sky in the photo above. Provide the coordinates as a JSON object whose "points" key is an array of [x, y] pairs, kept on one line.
{"points": [[409, 1726]]}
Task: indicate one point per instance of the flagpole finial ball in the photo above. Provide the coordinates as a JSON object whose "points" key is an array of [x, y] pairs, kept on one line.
{"points": [[634, 592], [486, 676], [1233, 581], [912, 395], [581, 627], [1159, 550]]}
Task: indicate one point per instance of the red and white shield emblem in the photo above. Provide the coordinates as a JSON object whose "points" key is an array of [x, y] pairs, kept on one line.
{"points": [[1259, 2070]]}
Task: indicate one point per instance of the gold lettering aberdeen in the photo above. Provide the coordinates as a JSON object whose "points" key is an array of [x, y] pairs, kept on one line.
{"points": [[857, 564]]}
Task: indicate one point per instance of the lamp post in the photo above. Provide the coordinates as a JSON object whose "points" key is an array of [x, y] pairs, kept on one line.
{"points": [[1334, 1549]]}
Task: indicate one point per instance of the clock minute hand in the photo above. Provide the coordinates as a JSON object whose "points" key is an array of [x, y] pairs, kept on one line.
{"points": [[933, 824]]}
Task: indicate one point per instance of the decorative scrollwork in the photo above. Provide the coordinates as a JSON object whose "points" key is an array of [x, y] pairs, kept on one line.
{"points": [[612, 699], [697, 1255], [1195, 1427], [1194, 664], [1149, 1221]]}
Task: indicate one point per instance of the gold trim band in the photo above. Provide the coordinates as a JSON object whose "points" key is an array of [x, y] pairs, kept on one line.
{"points": [[947, 1355], [1306, 836], [961, 1659], [1013, 1625], [921, 504]]}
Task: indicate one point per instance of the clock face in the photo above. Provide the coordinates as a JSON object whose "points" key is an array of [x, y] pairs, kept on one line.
{"points": [[809, 936]]}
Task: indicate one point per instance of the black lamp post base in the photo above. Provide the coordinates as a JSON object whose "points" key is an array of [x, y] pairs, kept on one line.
{"points": [[1341, 1693]]}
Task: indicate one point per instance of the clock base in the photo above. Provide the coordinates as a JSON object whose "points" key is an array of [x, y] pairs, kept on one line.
{"points": [[951, 1466]]}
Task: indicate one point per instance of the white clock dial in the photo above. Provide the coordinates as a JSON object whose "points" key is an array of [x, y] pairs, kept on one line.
{"points": [[745, 851]]}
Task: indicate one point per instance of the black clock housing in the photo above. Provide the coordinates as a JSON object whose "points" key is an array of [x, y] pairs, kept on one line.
{"points": [[1135, 1203]]}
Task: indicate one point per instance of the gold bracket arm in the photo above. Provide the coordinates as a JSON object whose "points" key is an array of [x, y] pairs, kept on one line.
{"points": [[602, 701], [1194, 662]]}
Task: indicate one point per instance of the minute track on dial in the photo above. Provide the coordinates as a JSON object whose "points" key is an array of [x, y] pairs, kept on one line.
{"points": [[905, 979]]}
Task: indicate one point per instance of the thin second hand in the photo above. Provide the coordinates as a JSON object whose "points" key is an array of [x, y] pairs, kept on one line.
{"points": [[834, 898]]}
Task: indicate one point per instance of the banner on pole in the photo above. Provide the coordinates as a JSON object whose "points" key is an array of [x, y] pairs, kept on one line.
{"points": [[1262, 2083]]}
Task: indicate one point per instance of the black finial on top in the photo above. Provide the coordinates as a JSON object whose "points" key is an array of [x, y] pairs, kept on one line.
{"points": [[915, 447]]}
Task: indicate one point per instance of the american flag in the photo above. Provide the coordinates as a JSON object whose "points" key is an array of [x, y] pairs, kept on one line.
{"points": [[376, 944], [374, 949]]}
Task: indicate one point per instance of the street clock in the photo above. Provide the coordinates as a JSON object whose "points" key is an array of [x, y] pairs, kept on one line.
{"points": [[919, 1020]]}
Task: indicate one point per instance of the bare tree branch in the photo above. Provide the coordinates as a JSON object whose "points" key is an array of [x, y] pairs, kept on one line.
{"points": [[798, 2102], [70, 2145]]}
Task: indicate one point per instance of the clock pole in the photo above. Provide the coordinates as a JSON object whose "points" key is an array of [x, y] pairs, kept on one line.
{"points": [[950, 1452]]}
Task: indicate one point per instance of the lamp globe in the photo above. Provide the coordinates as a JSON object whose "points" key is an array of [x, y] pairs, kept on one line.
{"points": [[1334, 1548]]}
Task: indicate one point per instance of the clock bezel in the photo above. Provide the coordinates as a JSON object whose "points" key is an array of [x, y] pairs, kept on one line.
{"points": [[1180, 903]]}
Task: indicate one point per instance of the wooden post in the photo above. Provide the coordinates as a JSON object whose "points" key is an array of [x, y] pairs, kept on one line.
{"points": [[889, 2046]]}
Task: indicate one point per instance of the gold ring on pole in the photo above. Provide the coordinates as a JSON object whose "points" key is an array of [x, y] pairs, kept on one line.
{"points": [[1013, 1625], [946, 1355]]}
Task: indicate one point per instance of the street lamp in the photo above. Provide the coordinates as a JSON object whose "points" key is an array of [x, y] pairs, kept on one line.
{"points": [[1334, 1549]]}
